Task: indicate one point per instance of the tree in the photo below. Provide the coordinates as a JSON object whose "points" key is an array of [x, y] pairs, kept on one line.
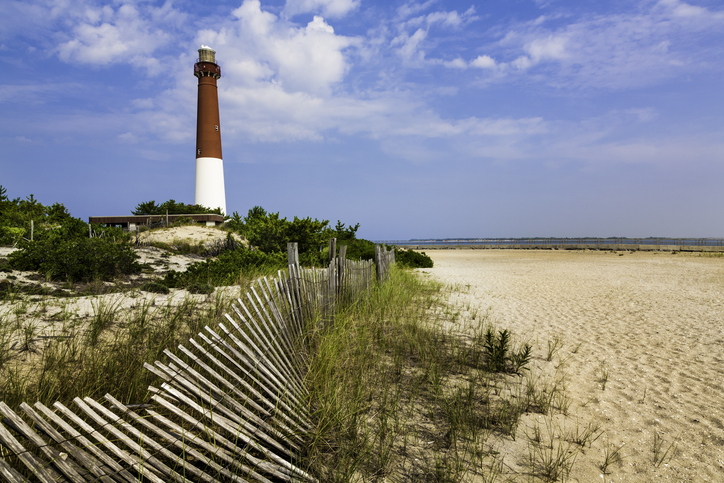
{"points": [[146, 208], [173, 207]]}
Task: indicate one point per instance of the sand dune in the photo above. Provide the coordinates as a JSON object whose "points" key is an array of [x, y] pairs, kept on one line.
{"points": [[653, 321]]}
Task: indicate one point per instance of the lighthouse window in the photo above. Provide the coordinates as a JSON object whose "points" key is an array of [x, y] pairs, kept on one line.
{"points": [[217, 127], [198, 151]]}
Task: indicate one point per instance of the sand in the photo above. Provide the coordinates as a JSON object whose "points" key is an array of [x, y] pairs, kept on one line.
{"points": [[653, 321], [192, 234]]}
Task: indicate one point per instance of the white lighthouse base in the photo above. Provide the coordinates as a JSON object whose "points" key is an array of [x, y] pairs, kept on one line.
{"points": [[210, 190]]}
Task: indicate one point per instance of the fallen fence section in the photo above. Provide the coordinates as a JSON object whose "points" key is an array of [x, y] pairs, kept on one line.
{"points": [[231, 405]]}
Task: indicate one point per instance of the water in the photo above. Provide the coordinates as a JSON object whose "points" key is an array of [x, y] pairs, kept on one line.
{"points": [[592, 242]]}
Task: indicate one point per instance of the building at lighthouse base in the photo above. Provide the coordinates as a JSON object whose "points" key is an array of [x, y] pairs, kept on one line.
{"points": [[210, 190]]}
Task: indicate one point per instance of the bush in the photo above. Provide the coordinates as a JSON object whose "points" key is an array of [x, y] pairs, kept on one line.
{"points": [[173, 208], [226, 269], [155, 287], [498, 353], [76, 260], [412, 259], [200, 288]]}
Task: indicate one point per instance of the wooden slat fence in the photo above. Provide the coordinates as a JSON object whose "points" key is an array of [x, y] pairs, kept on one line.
{"points": [[231, 405]]}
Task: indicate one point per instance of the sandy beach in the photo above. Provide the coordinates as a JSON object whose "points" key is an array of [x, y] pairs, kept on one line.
{"points": [[641, 345]]}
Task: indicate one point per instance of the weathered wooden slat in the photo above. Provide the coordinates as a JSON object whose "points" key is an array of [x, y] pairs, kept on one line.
{"points": [[274, 302], [40, 468], [127, 458], [266, 323], [274, 366], [279, 329], [144, 463], [229, 426], [262, 340], [85, 459], [117, 470], [215, 405], [264, 365], [266, 466], [259, 371], [191, 438], [244, 398], [9, 473], [265, 385], [156, 447], [224, 396], [55, 456], [179, 441], [285, 283], [299, 424], [228, 371]]}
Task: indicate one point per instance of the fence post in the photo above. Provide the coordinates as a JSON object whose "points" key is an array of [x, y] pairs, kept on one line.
{"points": [[341, 272], [332, 280], [332, 249], [295, 281], [293, 253], [378, 267]]}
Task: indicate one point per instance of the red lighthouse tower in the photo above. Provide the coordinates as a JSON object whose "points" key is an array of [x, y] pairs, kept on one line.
{"points": [[210, 190]]}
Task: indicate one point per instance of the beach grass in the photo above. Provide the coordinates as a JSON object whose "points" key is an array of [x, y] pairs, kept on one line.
{"points": [[403, 383], [402, 392]]}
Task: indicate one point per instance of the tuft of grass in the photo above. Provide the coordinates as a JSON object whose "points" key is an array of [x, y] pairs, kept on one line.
{"points": [[660, 450], [553, 347], [603, 375], [105, 311], [550, 457], [612, 455], [582, 435]]}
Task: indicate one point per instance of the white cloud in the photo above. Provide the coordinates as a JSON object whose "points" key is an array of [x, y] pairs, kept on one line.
{"points": [[617, 50], [551, 47], [409, 48], [128, 138], [483, 62], [413, 8], [104, 36], [681, 9], [327, 8], [262, 47], [457, 63]]}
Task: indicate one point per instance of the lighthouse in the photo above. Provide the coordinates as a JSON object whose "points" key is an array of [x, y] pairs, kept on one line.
{"points": [[210, 190]]}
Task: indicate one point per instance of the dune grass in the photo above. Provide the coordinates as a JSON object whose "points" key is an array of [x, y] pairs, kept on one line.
{"points": [[402, 386], [102, 352], [398, 394]]}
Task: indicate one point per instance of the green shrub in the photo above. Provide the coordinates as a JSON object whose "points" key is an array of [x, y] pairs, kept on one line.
{"points": [[412, 259], [226, 269], [76, 260], [196, 287], [173, 208], [155, 287], [498, 353]]}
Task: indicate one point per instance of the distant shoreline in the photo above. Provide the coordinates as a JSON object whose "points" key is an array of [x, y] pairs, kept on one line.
{"points": [[614, 244]]}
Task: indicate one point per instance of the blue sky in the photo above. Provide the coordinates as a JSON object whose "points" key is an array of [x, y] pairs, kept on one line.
{"points": [[416, 119]]}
